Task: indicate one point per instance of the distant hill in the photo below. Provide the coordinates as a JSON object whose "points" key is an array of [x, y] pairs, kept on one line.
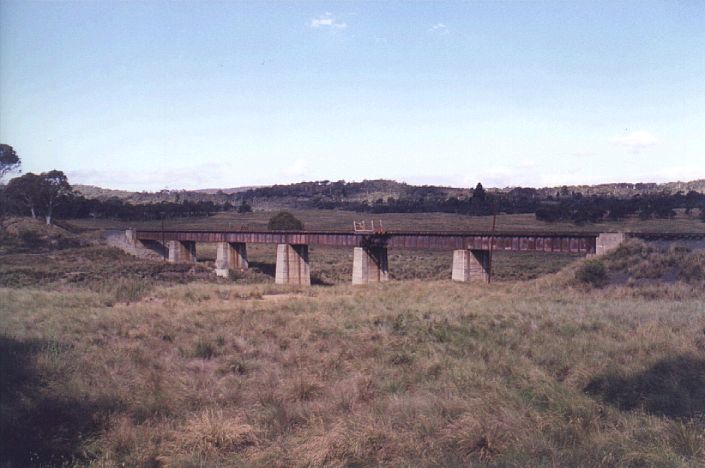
{"points": [[215, 195], [624, 189], [324, 193], [228, 191]]}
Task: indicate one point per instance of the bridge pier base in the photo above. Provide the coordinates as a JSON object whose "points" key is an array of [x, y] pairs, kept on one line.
{"points": [[471, 265], [230, 256], [153, 247], [182, 251], [607, 241], [292, 265], [370, 265]]}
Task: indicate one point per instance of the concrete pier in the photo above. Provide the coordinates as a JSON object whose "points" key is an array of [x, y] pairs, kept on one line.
{"points": [[471, 265], [607, 241], [230, 256], [370, 265], [292, 265], [182, 251]]}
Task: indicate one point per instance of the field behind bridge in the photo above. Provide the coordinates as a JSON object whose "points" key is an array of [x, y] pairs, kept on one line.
{"points": [[343, 220]]}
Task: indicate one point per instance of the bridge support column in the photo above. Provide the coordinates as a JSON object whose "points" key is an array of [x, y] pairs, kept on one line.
{"points": [[370, 265], [471, 265], [607, 241], [292, 265], [230, 256], [182, 251]]}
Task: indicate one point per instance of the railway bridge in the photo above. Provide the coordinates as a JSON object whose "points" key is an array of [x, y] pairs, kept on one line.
{"points": [[471, 250]]}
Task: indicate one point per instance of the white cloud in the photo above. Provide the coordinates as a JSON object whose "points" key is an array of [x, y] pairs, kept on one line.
{"points": [[439, 28], [298, 168], [190, 177], [327, 20], [636, 141]]}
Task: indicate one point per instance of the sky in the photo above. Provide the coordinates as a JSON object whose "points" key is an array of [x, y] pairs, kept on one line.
{"points": [[145, 95]]}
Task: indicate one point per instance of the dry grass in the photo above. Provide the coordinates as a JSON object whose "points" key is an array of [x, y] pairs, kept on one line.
{"points": [[422, 373]]}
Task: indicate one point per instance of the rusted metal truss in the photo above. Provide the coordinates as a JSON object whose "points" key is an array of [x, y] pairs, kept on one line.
{"points": [[667, 235], [582, 243], [362, 226]]}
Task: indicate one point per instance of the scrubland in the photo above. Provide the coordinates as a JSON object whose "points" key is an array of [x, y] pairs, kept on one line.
{"points": [[599, 364]]}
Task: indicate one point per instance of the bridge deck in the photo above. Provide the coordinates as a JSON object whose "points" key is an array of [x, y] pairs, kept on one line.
{"points": [[564, 242]]}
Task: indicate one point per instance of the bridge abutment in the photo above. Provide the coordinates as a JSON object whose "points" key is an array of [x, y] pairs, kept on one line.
{"points": [[471, 265], [370, 265], [292, 265], [182, 251], [140, 248], [230, 256], [607, 241]]}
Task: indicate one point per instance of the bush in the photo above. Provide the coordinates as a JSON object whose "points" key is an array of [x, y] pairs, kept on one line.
{"points": [[593, 273], [30, 238], [203, 349], [693, 267], [285, 221], [244, 207], [129, 290]]}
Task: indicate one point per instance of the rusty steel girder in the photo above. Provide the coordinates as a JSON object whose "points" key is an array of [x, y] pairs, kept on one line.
{"points": [[582, 243]]}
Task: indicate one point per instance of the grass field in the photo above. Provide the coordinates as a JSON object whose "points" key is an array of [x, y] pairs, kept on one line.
{"points": [[109, 360], [421, 373], [342, 220]]}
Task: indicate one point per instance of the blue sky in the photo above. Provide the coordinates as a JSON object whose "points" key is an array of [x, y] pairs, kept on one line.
{"points": [[152, 95]]}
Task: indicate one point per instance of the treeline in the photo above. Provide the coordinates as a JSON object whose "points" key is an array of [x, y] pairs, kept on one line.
{"points": [[428, 199], [77, 206], [49, 194], [562, 206], [579, 209]]}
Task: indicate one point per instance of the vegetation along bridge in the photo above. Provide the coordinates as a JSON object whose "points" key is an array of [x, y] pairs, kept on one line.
{"points": [[471, 250]]}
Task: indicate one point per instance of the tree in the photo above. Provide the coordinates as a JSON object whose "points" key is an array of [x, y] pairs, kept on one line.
{"points": [[27, 191], [244, 207], [9, 161], [55, 188], [285, 221], [479, 193]]}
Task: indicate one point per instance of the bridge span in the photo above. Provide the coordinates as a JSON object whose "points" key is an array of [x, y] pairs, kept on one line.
{"points": [[471, 250]]}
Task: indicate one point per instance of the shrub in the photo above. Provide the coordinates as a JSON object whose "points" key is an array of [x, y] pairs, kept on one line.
{"points": [[119, 290], [244, 207], [30, 237], [203, 350], [693, 267], [285, 221], [129, 290], [593, 273]]}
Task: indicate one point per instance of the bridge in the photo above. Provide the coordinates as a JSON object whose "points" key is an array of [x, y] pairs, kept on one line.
{"points": [[471, 250]]}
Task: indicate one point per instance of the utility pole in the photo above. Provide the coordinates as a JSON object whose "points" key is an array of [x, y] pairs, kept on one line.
{"points": [[494, 225]]}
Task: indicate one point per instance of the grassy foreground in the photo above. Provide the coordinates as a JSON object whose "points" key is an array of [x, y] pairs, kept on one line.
{"points": [[406, 373]]}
